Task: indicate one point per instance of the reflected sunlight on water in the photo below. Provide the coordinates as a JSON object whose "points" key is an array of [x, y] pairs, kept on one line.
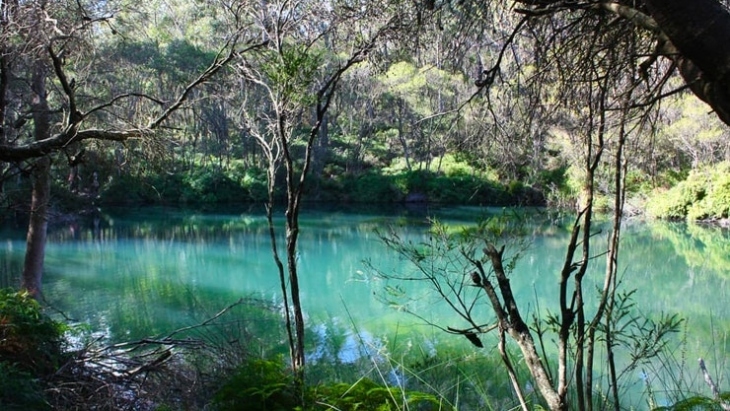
{"points": [[146, 273]]}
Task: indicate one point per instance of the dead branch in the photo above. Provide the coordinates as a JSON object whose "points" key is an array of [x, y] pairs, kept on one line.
{"points": [[713, 387], [134, 374]]}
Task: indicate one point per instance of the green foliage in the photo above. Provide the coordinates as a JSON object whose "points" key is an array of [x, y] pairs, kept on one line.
{"points": [[254, 182], [19, 389], [209, 185], [452, 165], [185, 58], [409, 84], [705, 194], [31, 346], [206, 185], [555, 177], [131, 189], [637, 182], [690, 132], [421, 185], [367, 395], [202, 185], [28, 338], [698, 403], [293, 70], [370, 187], [258, 385]]}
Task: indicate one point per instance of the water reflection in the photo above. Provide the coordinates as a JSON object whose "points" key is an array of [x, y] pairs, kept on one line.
{"points": [[138, 274]]}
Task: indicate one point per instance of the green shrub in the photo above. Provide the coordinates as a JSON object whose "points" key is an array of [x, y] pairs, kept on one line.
{"points": [[130, 189], [258, 385], [31, 346], [453, 189], [366, 395], [412, 182], [371, 187], [20, 390], [675, 203], [28, 338], [697, 403], [211, 186], [555, 177], [200, 185], [716, 202], [705, 194], [267, 385], [254, 182]]}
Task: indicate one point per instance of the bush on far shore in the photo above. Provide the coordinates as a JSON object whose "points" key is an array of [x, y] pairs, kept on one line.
{"points": [[703, 195]]}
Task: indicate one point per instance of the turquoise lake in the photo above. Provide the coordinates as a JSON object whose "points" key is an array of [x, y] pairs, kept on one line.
{"points": [[136, 273]]}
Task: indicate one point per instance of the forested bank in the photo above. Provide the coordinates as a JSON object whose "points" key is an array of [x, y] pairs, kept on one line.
{"points": [[407, 125], [594, 106]]}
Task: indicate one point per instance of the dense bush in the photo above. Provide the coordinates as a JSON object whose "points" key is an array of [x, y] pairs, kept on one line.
{"points": [[371, 186], [31, 346], [705, 194], [195, 187], [449, 182], [19, 389], [210, 186], [28, 338], [129, 189], [422, 186]]}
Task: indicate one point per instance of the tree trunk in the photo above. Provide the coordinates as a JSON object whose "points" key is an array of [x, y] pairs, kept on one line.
{"points": [[37, 227], [292, 233], [35, 250], [4, 82], [699, 30], [321, 150]]}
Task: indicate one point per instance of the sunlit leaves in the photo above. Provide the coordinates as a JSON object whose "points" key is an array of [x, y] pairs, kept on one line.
{"points": [[293, 71], [421, 87], [705, 194]]}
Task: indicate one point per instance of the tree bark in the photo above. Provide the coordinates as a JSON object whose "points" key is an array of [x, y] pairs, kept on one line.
{"points": [[41, 191], [511, 321], [699, 30], [37, 228]]}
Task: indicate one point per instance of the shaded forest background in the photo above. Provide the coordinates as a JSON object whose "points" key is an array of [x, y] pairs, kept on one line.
{"points": [[413, 122]]}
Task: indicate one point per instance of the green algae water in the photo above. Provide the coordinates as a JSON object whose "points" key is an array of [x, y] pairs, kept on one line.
{"points": [[139, 273]]}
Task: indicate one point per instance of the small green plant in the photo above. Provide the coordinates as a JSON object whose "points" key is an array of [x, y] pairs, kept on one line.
{"points": [[258, 384], [367, 395], [698, 403]]}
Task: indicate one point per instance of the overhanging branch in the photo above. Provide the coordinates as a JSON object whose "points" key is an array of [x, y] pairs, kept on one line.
{"points": [[72, 133]]}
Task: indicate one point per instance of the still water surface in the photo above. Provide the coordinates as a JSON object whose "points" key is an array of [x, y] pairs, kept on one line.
{"points": [[141, 273]]}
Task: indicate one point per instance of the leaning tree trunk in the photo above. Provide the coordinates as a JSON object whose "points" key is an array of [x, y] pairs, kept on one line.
{"points": [[699, 30], [37, 227]]}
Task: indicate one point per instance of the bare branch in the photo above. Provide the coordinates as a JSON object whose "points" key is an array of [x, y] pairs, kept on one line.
{"points": [[207, 74], [713, 387], [71, 133]]}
